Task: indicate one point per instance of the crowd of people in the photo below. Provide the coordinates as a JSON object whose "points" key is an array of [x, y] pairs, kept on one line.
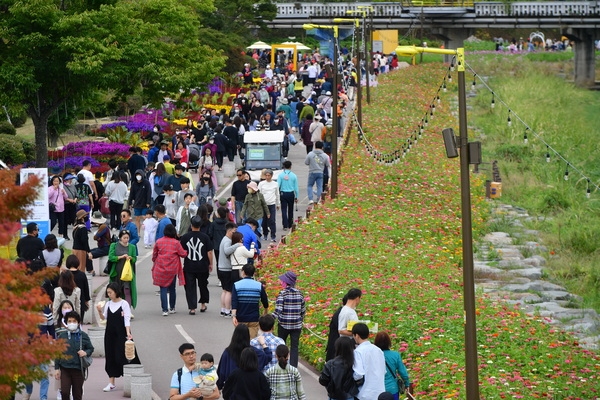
{"points": [[154, 198]]}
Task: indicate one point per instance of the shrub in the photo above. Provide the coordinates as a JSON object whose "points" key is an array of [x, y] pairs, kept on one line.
{"points": [[513, 152], [583, 239], [14, 151], [19, 119], [6, 128], [554, 201]]}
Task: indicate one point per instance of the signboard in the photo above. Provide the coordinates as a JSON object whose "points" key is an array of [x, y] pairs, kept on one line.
{"points": [[38, 211], [256, 154], [377, 46]]}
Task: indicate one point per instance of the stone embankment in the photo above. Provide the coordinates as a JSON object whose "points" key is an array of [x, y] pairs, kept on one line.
{"points": [[509, 267]]}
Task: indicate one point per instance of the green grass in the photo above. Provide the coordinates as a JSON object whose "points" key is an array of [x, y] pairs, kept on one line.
{"points": [[566, 118]]}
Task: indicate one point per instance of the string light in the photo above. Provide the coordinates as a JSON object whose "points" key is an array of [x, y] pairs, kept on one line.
{"points": [[474, 83], [444, 87], [438, 99], [548, 154], [452, 65], [450, 76], [567, 173], [509, 120], [525, 136], [588, 192]]}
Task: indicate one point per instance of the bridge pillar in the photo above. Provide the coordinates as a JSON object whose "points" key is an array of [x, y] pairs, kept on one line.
{"points": [[585, 55], [453, 38]]}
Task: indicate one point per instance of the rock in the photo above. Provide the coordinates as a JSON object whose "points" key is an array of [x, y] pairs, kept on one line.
{"points": [[511, 263], [556, 295], [535, 261], [530, 273], [510, 252], [498, 238]]}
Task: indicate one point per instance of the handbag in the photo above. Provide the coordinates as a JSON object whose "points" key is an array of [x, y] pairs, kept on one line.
{"points": [[52, 206], [292, 138], [127, 273], [86, 361], [107, 268], [399, 380]]}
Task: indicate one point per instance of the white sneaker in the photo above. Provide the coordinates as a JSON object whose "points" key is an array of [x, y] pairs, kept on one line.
{"points": [[310, 202], [58, 395], [165, 314], [172, 311], [110, 387]]}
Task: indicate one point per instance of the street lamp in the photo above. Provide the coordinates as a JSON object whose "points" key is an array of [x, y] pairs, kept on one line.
{"points": [[358, 93], [334, 125], [472, 378]]}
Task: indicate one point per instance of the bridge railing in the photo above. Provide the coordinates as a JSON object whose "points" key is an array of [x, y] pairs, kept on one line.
{"points": [[493, 8], [539, 9]]}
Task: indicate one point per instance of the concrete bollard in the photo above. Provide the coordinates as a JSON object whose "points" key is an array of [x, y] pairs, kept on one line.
{"points": [[228, 170], [141, 387], [128, 371], [220, 177], [96, 335], [99, 264]]}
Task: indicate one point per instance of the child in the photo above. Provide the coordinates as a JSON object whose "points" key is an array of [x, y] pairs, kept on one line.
{"points": [[185, 214], [207, 377], [150, 224]]}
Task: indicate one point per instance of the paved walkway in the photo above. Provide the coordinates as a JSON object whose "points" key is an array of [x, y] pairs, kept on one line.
{"points": [[157, 338]]}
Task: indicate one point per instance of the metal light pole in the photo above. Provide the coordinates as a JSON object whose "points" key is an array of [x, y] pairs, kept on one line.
{"points": [[334, 126], [358, 93], [472, 376]]}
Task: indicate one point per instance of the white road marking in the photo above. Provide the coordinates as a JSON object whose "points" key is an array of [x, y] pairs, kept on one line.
{"points": [[187, 337]]}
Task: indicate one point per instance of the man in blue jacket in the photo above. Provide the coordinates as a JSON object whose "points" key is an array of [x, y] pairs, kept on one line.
{"points": [[246, 296]]}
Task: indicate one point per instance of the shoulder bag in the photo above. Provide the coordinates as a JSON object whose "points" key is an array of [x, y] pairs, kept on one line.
{"points": [[399, 380], [86, 360]]}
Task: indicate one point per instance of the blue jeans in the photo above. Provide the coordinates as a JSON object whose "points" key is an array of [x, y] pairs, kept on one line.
{"points": [[239, 218], [44, 385], [315, 178], [172, 296]]}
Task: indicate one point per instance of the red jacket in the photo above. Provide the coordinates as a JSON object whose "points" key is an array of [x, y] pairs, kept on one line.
{"points": [[167, 256]]}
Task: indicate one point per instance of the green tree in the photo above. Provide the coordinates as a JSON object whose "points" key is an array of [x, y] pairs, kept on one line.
{"points": [[56, 51], [241, 17]]}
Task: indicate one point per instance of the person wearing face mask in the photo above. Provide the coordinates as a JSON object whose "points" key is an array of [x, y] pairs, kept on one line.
{"points": [[175, 180], [255, 206], [67, 369], [205, 190], [31, 246], [65, 307], [140, 196]]}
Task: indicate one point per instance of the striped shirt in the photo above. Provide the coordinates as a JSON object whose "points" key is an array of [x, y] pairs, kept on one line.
{"points": [[245, 298], [290, 308], [286, 384]]}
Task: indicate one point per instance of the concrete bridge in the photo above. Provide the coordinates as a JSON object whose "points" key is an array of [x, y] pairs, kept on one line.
{"points": [[455, 21]]}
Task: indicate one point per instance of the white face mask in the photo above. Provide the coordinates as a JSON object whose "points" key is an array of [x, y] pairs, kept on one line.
{"points": [[155, 129], [72, 326], [138, 177], [211, 141]]}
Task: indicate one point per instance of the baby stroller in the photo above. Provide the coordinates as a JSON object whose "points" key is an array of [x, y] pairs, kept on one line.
{"points": [[193, 157]]}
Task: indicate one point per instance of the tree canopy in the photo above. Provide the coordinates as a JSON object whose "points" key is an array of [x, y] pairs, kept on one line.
{"points": [[63, 51]]}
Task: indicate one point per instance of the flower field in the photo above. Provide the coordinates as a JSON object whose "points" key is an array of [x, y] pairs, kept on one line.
{"points": [[394, 231]]}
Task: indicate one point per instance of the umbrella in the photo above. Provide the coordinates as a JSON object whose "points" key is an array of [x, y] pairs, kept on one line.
{"points": [[259, 46], [299, 46]]}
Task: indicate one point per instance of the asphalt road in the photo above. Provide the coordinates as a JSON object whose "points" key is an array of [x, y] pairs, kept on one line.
{"points": [[158, 338]]}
